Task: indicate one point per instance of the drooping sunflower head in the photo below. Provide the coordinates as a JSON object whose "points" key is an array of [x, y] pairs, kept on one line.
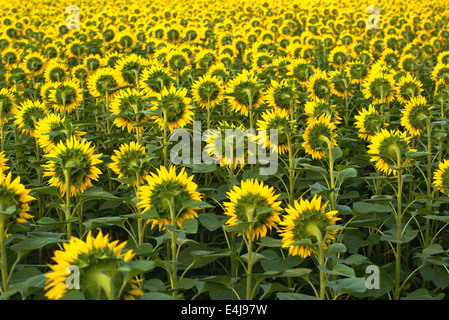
{"points": [[275, 120], [320, 86], [129, 69], [415, 115], [72, 165], [339, 56], [93, 62], [281, 96], [66, 96], [34, 63], [208, 91], [407, 88], [407, 62], [53, 129], [318, 136], [305, 225], [254, 204], [56, 71], [441, 177], [126, 107], [440, 74], [8, 106], [165, 194], [387, 146], [155, 78], [379, 86], [369, 121], [16, 75], [177, 60], [14, 197], [218, 70], [205, 59], [316, 108], [102, 82], [130, 162], [174, 106], [80, 73], [357, 71], [244, 91], [98, 260], [3, 161], [28, 114]]}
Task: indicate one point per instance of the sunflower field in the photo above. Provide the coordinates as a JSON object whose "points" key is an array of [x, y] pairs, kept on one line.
{"points": [[94, 204]]}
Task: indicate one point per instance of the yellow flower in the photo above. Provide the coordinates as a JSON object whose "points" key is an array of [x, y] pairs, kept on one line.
{"points": [[441, 177], [244, 203], [244, 91], [28, 114], [316, 135], [208, 91], [99, 261], [306, 220], [164, 194]]}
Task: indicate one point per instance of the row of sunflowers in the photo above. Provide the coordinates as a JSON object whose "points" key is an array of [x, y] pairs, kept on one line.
{"points": [[93, 205]]}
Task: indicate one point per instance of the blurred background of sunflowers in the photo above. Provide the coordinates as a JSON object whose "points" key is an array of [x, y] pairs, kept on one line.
{"points": [[87, 117]]}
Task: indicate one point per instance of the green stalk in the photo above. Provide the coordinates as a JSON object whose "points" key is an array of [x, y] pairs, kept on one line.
{"points": [[250, 256], [429, 178], [173, 235], [67, 203], [4, 264], [399, 228]]}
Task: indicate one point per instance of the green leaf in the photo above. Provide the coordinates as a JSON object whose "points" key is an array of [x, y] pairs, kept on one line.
{"points": [[294, 296], [366, 207], [212, 221], [192, 203], [346, 174], [339, 270], [335, 248], [104, 221], [34, 243], [423, 294], [432, 249], [190, 225], [270, 242], [97, 194], [337, 153], [134, 268]]}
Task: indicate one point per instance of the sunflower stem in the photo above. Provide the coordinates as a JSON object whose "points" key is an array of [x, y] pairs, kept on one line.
{"points": [[3, 264], [429, 177], [174, 257], [250, 260], [67, 203], [398, 227]]}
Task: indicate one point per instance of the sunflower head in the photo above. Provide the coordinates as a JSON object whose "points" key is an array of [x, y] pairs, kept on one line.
{"points": [[254, 205], [244, 91], [131, 162], [316, 108], [129, 69], [305, 225], [379, 86], [275, 120], [103, 82], [441, 177], [99, 262], [28, 114], [126, 107], [72, 165], [281, 96], [66, 96], [387, 147], [416, 115], [208, 91], [319, 136], [174, 108], [14, 197], [165, 194], [320, 86], [8, 105], [368, 122]]}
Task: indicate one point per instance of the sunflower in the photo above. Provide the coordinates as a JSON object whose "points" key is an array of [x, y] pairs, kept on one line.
{"points": [[16, 75], [281, 96], [52, 129], [10, 56], [111, 58], [3, 161], [99, 261], [28, 114], [441, 177], [301, 70], [274, 120], [129, 69], [407, 88], [316, 108], [34, 63], [165, 194], [76, 49], [320, 86], [177, 60], [126, 106], [316, 136], [244, 91], [103, 82], [93, 62], [339, 57], [205, 58], [379, 86], [154, 79], [440, 74], [130, 161], [55, 71], [208, 91], [73, 162], [407, 62], [260, 60], [80, 73], [218, 70], [368, 121], [220, 144], [8, 105], [14, 197], [414, 116], [307, 220], [66, 96], [244, 202], [385, 148], [175, 105]]}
